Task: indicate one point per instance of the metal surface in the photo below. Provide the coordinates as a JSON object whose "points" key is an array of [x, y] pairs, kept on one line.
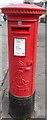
{"points": [[20, 107], [22, 68], [22, 81], [23, 9]]}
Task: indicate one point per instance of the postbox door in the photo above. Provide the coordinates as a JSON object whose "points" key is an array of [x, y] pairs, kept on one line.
{"points": [[21, 62]]}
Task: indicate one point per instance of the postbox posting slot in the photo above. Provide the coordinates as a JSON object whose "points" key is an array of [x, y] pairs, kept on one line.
{"points": [[20, 29]]}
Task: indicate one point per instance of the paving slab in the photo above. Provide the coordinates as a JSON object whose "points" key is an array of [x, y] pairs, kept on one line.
{"points": [[4, 51]]}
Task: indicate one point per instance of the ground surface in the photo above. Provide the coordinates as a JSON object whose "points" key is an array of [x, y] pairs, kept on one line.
{"points": [[40, 74]]}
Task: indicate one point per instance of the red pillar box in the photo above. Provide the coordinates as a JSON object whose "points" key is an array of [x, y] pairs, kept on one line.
{"points": [[22, 44]]}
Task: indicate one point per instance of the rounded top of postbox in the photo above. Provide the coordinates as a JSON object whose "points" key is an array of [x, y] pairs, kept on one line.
{"points": [[23, 9]]}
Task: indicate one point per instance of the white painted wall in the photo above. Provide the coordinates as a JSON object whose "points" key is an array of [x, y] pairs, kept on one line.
{"points": [[38, 1], [7, 2]]}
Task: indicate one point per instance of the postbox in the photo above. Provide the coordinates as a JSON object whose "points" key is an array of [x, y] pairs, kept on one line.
{"points": [[22, 45]]}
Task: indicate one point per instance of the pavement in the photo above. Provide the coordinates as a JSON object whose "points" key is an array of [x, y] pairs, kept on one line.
{"points": [[40, 73]]}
